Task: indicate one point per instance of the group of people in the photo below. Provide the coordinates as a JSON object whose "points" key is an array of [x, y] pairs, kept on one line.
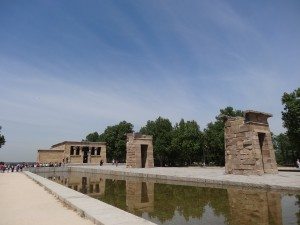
{"points": [[12, 168], [47, 164]]}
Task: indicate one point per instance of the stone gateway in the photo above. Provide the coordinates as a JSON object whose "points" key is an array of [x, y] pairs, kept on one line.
{"points": [[139, 149], [74, 152], [248, 145]]}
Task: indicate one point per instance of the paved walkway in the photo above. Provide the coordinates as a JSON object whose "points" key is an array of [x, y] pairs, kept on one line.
{"points": [[22, 201], [212, 175], [96, 211]]}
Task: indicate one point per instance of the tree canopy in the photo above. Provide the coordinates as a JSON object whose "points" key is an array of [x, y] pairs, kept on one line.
{"points": [[115, 138], [187, 143], [2, 139], [178, 145], [283, 149], [161, 130], [214, 137], [291, 120], [93, 137], [174, 146]]}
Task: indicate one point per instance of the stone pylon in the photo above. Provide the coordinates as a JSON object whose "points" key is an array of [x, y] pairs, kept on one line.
{"points": [[248, 144], [139, 150]]}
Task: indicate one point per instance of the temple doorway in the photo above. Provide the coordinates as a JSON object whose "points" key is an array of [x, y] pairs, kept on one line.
{"points": [[85, 154], [261, 139], [144, 155]]}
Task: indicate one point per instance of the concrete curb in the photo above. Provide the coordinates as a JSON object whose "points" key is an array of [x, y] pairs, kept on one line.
{"points": [[98, 212]]}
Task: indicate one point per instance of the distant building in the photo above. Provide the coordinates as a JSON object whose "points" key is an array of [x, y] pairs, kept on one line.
{"points": [[73, 152]]}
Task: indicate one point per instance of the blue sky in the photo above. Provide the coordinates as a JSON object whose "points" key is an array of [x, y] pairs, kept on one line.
{"points": [[68, 68]]}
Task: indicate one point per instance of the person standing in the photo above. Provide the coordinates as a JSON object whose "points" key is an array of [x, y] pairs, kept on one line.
{"points": [[298, 163]]}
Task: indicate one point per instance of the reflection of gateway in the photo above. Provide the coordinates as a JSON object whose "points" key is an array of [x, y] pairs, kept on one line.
{"points": [[74, 152], [254, 207], [140, 196]]}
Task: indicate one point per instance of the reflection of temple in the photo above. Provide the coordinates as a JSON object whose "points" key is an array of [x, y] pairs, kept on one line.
{"points": [[140, 196], [254, 207], [237, 205], [92, 185]]}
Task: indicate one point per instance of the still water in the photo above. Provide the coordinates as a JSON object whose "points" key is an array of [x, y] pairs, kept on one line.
{"points": [[177, 204]]}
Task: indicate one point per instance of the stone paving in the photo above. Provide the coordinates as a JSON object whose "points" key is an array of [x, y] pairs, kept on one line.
{"points": [[209, 175], [26, 203]]}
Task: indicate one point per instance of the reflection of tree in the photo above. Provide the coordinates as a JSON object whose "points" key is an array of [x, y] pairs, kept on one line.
{"points": [[163, 206], [115, 193], [188, 201], [219, 202]]}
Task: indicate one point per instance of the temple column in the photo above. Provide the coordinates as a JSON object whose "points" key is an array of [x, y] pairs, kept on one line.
{"points": [[89, 155]]}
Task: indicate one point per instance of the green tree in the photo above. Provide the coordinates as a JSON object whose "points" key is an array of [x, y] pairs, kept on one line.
{"points": [[291, 120], [161, 130], [2, 139], [187, 142], [214, 143], [115, 138], [283, 149], [214, 137], [93, 137], [229, 111]]}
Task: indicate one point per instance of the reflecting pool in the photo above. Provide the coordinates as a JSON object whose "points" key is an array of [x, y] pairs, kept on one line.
{"points": [[167, 204]]}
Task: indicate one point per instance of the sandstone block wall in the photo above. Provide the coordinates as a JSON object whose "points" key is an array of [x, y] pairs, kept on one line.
{"points": [[248, 145], [50, 156], [134, 148]]}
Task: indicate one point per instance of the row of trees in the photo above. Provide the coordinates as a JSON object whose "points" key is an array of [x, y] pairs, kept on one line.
{"points": [[174, 145], [185, 143]]}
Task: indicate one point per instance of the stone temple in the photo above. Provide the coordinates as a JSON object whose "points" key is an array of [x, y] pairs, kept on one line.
{"points": [[139, 149], [74, 152], [248, 145]]}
